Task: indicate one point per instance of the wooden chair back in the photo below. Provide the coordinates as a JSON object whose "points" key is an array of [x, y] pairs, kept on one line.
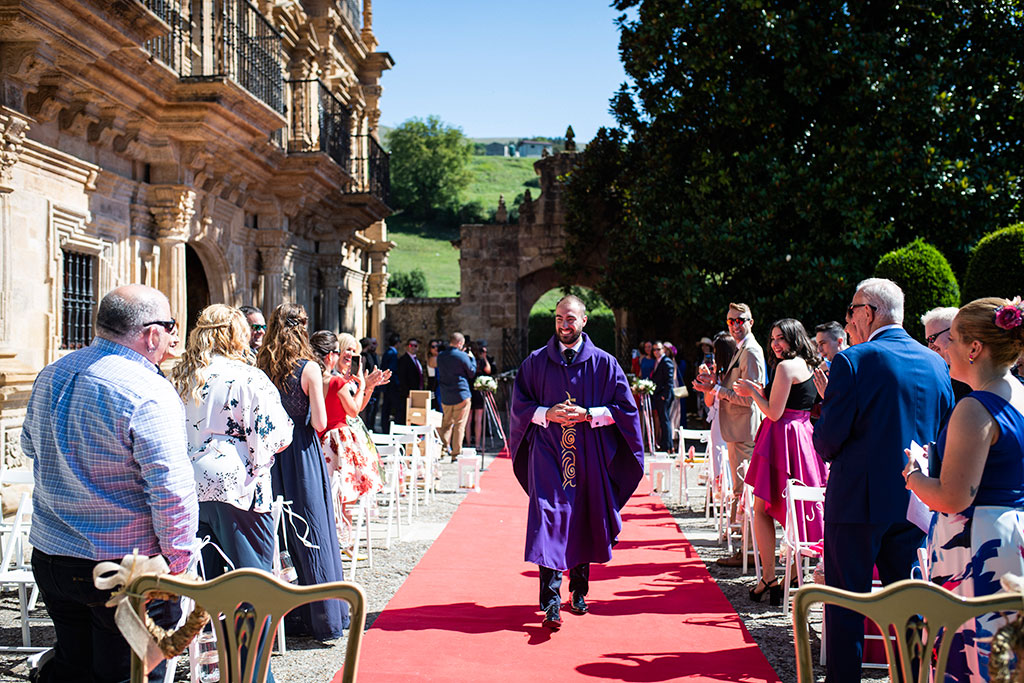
{"points": [[250, 600]]}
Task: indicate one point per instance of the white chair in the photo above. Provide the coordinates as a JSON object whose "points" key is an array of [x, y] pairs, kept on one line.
{"points": [[391, 464], [412, 460], [429, 455], [15, 570], [686, 463], [746, 510], [659, 469], [360, 526], [798, 550]]}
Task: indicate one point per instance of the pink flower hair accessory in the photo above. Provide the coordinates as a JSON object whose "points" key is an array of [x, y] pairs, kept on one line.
{"points": [[1011, 315]]}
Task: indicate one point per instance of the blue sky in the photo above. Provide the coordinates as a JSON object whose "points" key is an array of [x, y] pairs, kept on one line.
{"points": [[500, 69]]}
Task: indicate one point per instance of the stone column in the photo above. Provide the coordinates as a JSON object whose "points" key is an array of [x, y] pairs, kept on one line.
{"points": [[272, 247], [378, 292], [173, 207], [12, 139], [332, 283]]}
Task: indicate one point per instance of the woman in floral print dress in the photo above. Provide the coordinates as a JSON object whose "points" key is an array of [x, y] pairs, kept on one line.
{"points": [[236, 425], [977, 533]]}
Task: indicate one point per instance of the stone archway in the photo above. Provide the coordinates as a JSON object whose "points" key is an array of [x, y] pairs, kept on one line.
{"points": [[197, 292]]}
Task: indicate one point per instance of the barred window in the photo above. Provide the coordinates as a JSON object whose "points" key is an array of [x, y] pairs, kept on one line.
{"points": [[78, 299]]}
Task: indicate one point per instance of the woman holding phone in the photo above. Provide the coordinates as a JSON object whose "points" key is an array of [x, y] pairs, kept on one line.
{"points": [[348, 450]]}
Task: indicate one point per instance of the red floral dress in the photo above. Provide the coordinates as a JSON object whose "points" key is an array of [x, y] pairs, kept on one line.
{"points": [[352, 460]]}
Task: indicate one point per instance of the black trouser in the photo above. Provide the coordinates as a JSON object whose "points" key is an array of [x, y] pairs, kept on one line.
{"points": [[551, 583], [89, 645], [662, 406]]}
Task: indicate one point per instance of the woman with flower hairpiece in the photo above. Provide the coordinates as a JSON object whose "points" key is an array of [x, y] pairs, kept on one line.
{"points": [[977, 533], [300, 473]]}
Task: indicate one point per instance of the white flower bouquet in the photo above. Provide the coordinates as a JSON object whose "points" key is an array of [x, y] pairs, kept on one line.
{"points": [[643, 386], [485, 383]]}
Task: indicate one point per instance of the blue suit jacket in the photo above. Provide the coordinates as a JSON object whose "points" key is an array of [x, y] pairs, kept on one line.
{"points": [[881, 395], [389, 361]]}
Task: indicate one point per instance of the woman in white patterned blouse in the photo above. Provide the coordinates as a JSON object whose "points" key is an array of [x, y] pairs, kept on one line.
{"points": [[235, 424]]}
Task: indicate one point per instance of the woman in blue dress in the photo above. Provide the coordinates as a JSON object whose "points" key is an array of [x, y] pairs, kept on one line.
{"points": [[977, 533], [300, 473]]}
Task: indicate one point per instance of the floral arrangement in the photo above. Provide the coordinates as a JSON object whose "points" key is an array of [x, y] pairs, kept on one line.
{"points": [[1010, 315], [642, 386], [485, 383]]}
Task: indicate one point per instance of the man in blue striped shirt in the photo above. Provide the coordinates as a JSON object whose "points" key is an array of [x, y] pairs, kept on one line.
{"points": [[107, 434]]}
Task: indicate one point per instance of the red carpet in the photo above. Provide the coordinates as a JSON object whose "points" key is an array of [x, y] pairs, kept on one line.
{"points": [[468, 612]]}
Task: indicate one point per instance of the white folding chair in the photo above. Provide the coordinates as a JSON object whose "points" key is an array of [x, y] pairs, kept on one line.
{"points": [[423, 474], [409, 453], [746, 510], [798, 549], [360, 526], [16, 570], [391, 464], [686, 463]]}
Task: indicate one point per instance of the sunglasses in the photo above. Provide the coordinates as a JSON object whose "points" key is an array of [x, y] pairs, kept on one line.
{"points": [[852, 307], [932, 337], [736, 321], [258, 328], [169, 325]]}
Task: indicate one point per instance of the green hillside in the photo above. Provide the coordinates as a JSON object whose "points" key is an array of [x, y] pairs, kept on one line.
{"points": [[428, 246]]}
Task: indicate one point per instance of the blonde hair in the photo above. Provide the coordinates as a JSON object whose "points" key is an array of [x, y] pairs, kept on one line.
{"points": [[285, 344], [977, 321], [741, 308], [220, 330]]}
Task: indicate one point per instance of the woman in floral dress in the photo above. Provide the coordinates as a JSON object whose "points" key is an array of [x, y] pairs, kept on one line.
{"points": [[349, 452], [977, 533]]}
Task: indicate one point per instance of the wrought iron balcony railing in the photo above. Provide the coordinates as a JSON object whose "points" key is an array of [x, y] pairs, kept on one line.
{"points": [[232, 40], [320, 122], [372, 169]]}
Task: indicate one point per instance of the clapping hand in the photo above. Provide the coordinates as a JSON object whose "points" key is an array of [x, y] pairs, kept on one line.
{"points": [[747, 387], [377, 378], [820, 379]]}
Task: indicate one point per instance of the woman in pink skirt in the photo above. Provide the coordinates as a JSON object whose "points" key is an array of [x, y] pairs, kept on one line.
{"points": [[783, 448]]}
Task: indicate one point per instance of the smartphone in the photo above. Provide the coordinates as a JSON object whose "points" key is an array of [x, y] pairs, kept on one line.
{"points": [[354, 368]]}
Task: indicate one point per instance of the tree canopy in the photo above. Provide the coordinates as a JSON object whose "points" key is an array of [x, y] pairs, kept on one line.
{"points": [[428, 166], [770, 152]]}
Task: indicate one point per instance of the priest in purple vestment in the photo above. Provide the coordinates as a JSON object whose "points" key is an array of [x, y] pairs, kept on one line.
{"points": [[576, 449]]}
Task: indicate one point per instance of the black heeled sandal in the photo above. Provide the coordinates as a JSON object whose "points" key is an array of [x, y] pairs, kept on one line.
{"points": [[772, 588]]}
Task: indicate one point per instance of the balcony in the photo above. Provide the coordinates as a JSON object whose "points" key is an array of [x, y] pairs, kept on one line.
{"points": [[320, 122], [233, 40], [371, 171]]}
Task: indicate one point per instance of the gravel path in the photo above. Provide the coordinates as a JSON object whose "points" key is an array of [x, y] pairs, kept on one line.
{"points": [[308, 660]]}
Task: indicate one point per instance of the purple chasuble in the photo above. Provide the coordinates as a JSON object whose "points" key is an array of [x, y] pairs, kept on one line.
{"points": [[578, 477]]}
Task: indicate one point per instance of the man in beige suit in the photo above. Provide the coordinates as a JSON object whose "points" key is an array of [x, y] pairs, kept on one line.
{"points": [[738, 417]]}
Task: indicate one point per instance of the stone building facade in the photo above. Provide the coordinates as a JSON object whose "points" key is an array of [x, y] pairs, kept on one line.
{"points": [[224, 151]]}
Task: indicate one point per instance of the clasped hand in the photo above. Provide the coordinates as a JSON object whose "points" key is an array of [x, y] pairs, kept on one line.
{"points": [[566, 413]]}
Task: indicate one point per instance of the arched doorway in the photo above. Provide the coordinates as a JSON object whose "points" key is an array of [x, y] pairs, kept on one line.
{"points": [[600, 319], [197, 288]]}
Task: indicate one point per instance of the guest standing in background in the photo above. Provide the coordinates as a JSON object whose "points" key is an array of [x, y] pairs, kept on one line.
{"points": [[409, 377], [978, 534], [647, 360], [431, 366], [370, 362], [477, 423], [455, 372], [663, 376], [389, 400], [257, 327], [300, 473]]}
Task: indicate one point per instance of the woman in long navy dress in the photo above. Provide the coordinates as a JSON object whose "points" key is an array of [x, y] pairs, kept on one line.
{"points": [[977, 533], [300, 473]]}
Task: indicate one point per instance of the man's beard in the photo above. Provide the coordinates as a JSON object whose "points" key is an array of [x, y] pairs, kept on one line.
{"points": [[571, 340]]}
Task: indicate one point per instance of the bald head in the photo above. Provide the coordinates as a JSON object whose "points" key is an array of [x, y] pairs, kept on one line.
{"points": [[123, 311], [457, 340], [572, 302]]}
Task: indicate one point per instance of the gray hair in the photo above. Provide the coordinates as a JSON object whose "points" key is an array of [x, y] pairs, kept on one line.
{"points": [[124, 310], [885, 295], [939, 315]]}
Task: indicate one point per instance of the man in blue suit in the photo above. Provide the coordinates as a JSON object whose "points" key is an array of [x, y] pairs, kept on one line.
{"points": [[881, 394], [389, 406]]}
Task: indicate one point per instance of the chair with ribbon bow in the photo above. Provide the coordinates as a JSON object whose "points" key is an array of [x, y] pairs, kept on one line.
{"points": [[245, 606]]}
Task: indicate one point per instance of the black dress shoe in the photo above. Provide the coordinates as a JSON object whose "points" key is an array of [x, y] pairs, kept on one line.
{"points": [[552, 619], [578, 605]]}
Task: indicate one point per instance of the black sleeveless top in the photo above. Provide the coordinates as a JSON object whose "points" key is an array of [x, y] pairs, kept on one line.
{"points": [[802, 396]]}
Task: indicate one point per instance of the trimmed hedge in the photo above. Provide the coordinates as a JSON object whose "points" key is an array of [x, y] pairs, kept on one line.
{"points": [[996, 266], [925, 277]]}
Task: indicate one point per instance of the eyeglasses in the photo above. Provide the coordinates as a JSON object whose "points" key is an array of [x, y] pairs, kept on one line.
{"points": [[931, 338], [258, 328], [336, 352], [736, 321], [169, 325], [852, 307]]}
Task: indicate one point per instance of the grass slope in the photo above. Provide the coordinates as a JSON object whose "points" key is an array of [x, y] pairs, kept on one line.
{"points": [[428, 247]]}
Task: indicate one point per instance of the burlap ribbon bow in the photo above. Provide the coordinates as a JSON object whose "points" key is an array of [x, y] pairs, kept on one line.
{"points": [[149, 641]]}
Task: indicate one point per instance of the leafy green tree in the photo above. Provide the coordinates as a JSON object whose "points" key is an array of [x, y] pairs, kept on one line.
{"points": [[997, 265], [771, 151], [428, 166], [927, 281], [411, 284]]}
